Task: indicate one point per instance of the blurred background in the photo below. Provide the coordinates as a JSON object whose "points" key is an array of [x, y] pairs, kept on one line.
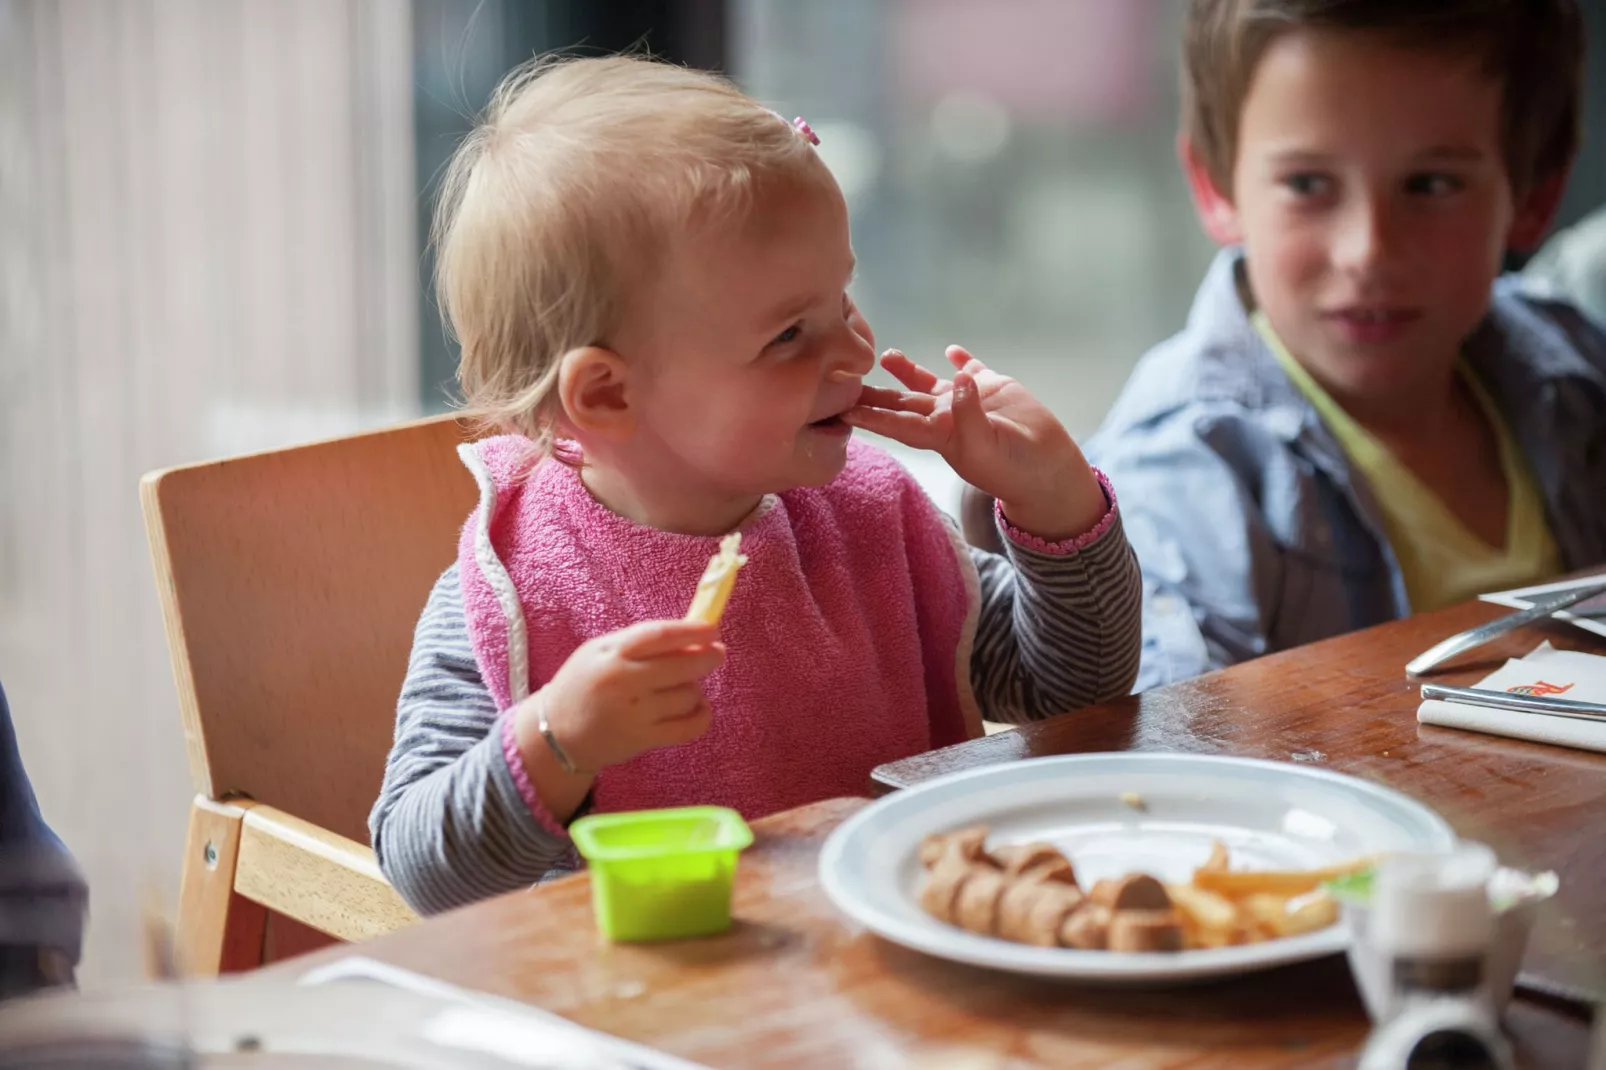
{"points": [[212, 220]]}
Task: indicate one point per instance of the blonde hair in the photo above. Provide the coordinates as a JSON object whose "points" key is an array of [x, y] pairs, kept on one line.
{"points": [[566, 195]]}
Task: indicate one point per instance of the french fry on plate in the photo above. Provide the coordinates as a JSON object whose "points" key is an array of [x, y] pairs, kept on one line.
{"points": [[1285, 883], [1208, 919], [1276, 916]]}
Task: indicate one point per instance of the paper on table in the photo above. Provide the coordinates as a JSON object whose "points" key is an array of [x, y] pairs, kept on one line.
{"points": [[513, 1031], [1549, 672], [1589, 615]]}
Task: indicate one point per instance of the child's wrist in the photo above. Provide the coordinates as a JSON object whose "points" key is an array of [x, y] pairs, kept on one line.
{"points": [[548, 796], [548, 735], [1058, 515], [560, 784]]}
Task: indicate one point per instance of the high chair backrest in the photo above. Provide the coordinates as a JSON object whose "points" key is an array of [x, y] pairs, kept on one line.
{"points": [[290, 584]]}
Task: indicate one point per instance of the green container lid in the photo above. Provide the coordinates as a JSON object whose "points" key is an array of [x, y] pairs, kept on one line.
{"points": [[662, 874]]}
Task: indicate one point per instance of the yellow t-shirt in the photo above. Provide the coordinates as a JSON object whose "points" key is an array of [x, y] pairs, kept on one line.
{"points": [[1443, 562]]}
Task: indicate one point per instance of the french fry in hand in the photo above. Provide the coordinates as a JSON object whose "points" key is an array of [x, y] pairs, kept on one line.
{"points": [[714, 589], [1286, 883]]}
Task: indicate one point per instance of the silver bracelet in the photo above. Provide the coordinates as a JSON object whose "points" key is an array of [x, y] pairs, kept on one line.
{"points": [[545, 728]]}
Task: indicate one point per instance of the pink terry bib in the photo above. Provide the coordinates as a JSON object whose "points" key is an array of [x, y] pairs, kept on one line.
{"points": [[848, 634]]}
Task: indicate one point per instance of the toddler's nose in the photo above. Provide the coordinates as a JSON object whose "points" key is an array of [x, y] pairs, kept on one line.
{"points": [[854, 359]]}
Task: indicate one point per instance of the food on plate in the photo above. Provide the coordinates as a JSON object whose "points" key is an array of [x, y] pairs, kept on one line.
{"points": [[1145, 930], [1133, 799], [1285, 883], [1029, 893], [1033, 912], [1087, 929], [1135, 891], [714, 589]]}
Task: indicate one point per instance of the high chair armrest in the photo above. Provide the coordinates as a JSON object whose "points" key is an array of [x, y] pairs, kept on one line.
{"points": [[315, 876]]}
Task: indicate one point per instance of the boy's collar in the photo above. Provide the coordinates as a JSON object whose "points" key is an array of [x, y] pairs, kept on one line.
{"points": [[1514, 325], [1238, 364]]}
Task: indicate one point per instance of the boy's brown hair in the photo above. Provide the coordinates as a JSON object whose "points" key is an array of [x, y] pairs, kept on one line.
{"points": [[1533, 47]]}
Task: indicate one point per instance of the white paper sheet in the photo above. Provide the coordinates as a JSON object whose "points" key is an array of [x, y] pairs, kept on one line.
{"points": [[509, 1030], [1589, 615]]}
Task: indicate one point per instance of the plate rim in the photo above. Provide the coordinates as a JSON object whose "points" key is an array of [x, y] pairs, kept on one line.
{"points": [[1097, 966]]}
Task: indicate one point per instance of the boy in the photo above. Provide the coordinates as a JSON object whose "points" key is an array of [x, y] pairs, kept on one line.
{"points": [[1359, 421]]}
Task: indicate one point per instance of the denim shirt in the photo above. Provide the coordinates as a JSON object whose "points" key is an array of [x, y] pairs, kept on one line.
{"points": [[1256, 535]]}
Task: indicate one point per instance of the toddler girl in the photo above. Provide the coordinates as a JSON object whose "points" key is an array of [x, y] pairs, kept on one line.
{"points": [[648, 273]]}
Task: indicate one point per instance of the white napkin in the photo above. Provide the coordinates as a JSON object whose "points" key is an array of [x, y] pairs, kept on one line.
{"points": [[1553, 673]]}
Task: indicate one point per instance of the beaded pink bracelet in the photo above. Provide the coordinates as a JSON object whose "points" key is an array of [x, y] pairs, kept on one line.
{"points": [[1063, 546]]}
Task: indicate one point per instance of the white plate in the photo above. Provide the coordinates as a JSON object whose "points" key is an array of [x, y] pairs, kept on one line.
{"points": [[1271, 815]]}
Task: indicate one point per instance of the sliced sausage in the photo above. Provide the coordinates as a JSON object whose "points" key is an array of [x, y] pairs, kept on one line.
{"points": [[976, 908], [1145, 930], [1087, 928]]}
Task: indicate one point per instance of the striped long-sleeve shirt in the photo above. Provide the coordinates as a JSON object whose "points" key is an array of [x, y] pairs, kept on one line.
{"points": [[1054, 632]]}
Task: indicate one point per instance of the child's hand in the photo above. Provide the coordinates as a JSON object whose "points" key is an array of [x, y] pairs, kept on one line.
{"points": [[628, 692], [995, 435]]}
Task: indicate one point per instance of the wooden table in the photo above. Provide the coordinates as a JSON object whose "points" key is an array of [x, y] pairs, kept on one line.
{"points": [[1346, 704], [794, 985]]}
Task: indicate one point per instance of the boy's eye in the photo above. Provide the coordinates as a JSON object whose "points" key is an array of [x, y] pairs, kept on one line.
{"points": [[1433, 185], [1307, 184]]}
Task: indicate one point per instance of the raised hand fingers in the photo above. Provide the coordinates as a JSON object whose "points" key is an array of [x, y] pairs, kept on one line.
{"points": [[962, 361], [880, 397], [970, 420], [913, 375], [910, 428]]}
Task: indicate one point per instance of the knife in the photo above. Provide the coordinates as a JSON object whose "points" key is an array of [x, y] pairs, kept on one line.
{"points": [[1500, 700], [1472, 637]]}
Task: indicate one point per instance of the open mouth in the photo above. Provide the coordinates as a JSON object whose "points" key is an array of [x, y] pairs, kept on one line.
{"points": [[833, 426]]}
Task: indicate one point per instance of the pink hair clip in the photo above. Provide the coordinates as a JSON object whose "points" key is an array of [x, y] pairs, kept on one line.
{"points": [[800, 125]]}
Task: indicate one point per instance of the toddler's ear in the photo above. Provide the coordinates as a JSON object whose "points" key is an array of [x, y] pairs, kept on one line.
{"points": [[1535, 211], [593, 391], [1215, 209]]}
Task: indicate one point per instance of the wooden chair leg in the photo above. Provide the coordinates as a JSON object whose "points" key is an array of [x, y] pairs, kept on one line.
{"points": [[219, 930]]}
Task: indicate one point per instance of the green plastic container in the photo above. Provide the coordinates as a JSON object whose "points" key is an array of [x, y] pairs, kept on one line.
{"points": [[662, 874]]}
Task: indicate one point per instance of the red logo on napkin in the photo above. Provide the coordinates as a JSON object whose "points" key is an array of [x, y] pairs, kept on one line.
{"points": [[1539, 689]]}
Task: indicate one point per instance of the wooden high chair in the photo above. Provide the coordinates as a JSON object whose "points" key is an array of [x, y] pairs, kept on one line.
{"points": [[290, 584]]}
